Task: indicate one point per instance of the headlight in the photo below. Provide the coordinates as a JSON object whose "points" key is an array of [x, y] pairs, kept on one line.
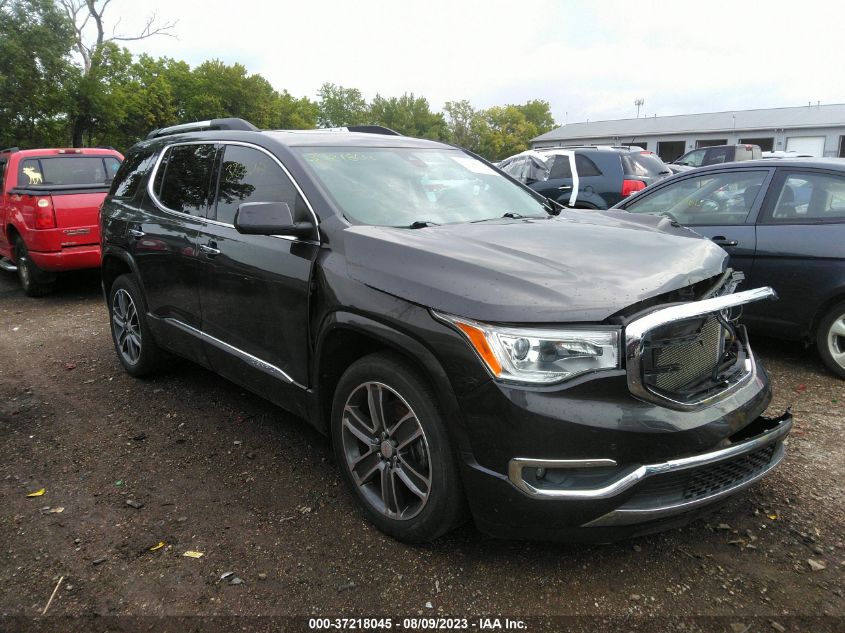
{"points": [[539, 356]]}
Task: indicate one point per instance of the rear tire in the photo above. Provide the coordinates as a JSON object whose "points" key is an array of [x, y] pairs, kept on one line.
{"points": [[830, 339], [136, 349], [34, 281], [393, 450]]}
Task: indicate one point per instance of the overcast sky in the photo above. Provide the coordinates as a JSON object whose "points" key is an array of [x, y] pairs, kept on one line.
{"points": [[589, 60]]}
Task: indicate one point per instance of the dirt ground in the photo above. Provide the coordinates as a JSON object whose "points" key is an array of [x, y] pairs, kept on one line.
{"points": [[210, 468]]}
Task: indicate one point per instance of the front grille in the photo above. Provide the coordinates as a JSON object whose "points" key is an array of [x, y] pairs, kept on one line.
{"points": [[684, 360], [700, 483], [685, 353]]}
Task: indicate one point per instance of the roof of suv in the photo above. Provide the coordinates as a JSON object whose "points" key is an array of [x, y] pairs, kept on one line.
{"points": [[240, 130]]}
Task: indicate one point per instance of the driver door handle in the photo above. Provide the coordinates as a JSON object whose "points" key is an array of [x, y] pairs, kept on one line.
{"points": [[721, 240], [210, 249], [565, 188]]}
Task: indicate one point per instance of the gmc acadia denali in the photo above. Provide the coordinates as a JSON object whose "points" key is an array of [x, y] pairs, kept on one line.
{"points": [[469, 347]]}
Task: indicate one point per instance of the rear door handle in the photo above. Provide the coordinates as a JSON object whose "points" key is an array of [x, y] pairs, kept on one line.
{"points": [[210, 249], [565, 188], [721, 240], [136, 233]]}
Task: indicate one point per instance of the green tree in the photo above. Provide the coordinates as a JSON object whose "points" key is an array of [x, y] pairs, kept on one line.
{"points": [[86, 18], [221, 90], [296, 114], [35, 69], [509, 132], [467, 126], [539, 113], [339, 106], [409, 115]]}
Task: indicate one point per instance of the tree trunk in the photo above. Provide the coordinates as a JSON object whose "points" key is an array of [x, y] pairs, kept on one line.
{"points": [[78, 131]]}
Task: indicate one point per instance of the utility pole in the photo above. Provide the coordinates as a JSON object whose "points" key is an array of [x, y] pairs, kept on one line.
{"points": [[638, 102]]}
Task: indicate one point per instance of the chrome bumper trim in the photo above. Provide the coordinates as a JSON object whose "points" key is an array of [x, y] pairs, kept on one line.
{"points": [[636, 331], [633, 477], [622, 516]]}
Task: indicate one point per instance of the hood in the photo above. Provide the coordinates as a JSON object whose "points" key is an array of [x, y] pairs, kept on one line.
{"points": [[579, 266]]}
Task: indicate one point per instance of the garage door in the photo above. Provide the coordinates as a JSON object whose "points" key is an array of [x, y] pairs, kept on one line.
{"points": [[813, 145]]}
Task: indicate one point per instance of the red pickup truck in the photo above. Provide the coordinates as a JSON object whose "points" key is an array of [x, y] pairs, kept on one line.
{"points": [[49, 208]]}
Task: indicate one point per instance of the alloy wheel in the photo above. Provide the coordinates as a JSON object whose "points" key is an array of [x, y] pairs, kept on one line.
{"points": [[836, 340], [127, 329], [386, 451]]}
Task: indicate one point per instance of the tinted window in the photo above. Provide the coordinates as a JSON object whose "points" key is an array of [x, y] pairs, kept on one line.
{"points": [[249, 175], [183, 179], [560, 168], [68, 170], [811, 198], [585, 167], [711, 199], [637, 164], [2, 175], [131, 173]]}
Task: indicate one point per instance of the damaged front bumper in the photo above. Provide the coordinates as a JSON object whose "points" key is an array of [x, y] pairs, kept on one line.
{"points": [[656, 491]]}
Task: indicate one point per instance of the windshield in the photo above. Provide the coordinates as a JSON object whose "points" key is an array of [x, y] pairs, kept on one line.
{"points": [[392, 186]]}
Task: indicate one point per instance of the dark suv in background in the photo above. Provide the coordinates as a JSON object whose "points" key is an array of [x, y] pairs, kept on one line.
{"points": [[586, 177], [464, 346]]}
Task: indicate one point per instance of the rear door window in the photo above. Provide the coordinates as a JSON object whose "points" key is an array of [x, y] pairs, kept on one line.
{"points": [[560, 168], [811, 198], [585, 167], [68, 170], [183, 179], [250, 175]]}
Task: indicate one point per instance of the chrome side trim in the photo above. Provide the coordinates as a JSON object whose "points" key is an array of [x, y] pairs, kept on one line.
{"points": [[626, 480], [636, 331], [248, 358], [622, 516], [162, 207]]}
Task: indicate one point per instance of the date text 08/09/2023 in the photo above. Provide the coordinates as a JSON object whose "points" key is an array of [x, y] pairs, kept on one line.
{"points": [[417, 624]]}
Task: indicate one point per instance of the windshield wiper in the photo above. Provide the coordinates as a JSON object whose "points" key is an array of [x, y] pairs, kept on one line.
{"points": [[513, 215], [421, 224]]}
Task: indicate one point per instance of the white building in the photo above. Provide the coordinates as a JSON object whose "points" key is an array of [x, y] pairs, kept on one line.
{"points": [[812, 129]]}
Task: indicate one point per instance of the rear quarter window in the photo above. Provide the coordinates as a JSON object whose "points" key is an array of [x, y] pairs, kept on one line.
{"points": [[131, 173], [636, 164]]}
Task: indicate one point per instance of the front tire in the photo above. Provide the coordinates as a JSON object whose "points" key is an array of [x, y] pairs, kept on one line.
{"points": [[34, 281], [830, 339], [393, 450], [136, 349]]}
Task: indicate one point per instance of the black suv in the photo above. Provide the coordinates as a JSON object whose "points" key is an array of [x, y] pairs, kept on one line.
{"points": [[589, 177], [465, 347]]}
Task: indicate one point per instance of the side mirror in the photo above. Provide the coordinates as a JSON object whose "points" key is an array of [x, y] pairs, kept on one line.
{"points": [[270, 218]]}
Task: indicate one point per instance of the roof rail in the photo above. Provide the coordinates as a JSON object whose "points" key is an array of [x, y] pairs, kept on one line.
{"points": [[10, 149], [201, 126], [373, 129]]}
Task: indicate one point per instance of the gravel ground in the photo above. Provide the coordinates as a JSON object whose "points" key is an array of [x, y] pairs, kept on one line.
{"points": [[190, 460]]}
